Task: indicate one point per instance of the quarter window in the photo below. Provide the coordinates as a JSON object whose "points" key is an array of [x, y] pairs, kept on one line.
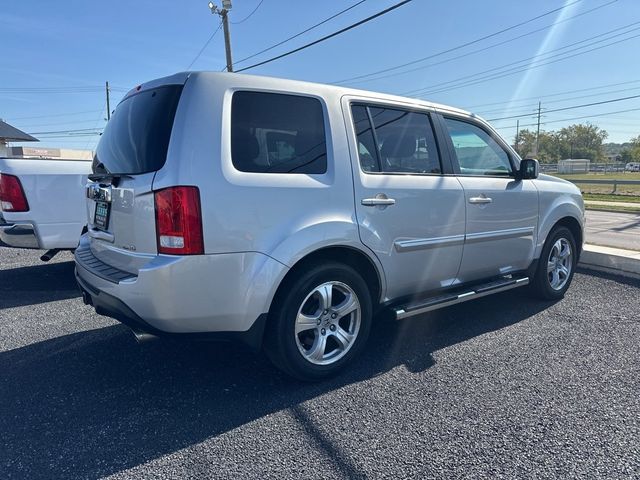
{"points": [[392, 140], [277, 133], [477, 152]]}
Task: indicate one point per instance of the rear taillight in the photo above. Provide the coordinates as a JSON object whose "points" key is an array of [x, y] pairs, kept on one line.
{"points": [[12, 198], [179, 221]]}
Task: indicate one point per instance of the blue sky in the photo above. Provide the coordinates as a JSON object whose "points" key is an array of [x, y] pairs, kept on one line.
{"points": [[57, 56]]}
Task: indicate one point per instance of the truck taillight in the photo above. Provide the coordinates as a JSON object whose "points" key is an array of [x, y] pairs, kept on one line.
{"points": [[179, 221], [12, 198]]}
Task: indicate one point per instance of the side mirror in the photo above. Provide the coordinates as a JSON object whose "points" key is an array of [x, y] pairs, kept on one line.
{"points": [[529, 169]]}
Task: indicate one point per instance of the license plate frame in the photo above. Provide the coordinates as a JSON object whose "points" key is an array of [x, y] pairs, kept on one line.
{"points": [[102, 214]]}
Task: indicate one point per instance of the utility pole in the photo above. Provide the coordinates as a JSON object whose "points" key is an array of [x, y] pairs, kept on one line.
{"points": [[538, 131], [517, 135], [226, 6], [108, 103]]}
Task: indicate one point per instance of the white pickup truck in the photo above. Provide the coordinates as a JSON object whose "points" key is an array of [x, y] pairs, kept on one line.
{"points": [[42, 203]]}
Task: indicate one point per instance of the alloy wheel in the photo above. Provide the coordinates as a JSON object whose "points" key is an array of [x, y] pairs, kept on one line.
{"points": [[327, 323], [559, 264]]}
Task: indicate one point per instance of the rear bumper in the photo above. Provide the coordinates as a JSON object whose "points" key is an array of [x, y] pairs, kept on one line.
{"points": [[18, 235], [109, 306], [201, 295]]}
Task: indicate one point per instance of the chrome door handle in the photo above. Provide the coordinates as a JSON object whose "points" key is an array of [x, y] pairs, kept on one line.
{"points": [[379, 200], [480, 200]]}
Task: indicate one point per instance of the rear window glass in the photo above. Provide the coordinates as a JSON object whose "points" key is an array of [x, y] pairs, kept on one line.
{"points": [[277, 133], [137, 137]]}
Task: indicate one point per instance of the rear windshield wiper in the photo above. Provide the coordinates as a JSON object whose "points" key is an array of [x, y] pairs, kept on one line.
{"points": [[100, 172]]}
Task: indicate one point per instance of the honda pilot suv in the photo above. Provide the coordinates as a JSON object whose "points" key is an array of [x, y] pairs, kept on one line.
{"points": [[285, 214]]}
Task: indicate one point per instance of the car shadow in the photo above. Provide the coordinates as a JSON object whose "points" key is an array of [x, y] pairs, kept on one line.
{"points": [[96, 403], [37, 284], [626, 280]]}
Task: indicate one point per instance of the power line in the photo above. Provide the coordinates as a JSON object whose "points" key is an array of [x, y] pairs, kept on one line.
{"points": [[530, 67], [327, 37], [70, 136], [53, 132], [206, 44], [573, 118], [538, 56], [469, 80], [51, 90], [473, 52], [458, 47], [621, 99], [59, 124], [301, 33], [55, 115], [249, 16], [558, 101], [553, 94]]}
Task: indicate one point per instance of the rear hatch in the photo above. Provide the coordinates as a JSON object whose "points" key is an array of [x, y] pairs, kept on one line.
{"points": [[120, 200]]}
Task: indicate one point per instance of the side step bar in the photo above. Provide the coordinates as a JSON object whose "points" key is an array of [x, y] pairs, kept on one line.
{"points": [[423, 306]]}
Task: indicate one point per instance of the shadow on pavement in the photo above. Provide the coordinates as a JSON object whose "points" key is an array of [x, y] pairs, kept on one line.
{"points": [[633, 282], [37, 284], [95, 403]]}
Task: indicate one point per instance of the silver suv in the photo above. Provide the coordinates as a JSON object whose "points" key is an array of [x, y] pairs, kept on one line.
{"points": [[285, 214]]}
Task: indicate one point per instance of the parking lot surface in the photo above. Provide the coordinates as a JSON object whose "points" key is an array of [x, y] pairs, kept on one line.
{"points": [[503, 387]]}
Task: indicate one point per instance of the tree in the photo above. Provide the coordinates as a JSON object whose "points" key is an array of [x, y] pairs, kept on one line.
{"points": [[582, 141], [526, 145], [574, 141], [634, 152]]}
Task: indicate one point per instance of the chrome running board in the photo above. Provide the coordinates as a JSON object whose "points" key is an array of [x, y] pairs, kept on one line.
{"points": [[441, 301]]}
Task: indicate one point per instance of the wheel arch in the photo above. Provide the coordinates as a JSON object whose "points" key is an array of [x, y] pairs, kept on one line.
{"points": [[348, 255], [562, 212], [576, 230]]}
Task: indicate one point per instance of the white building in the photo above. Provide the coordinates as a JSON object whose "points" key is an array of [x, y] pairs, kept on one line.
{"points": [[574, 165]]}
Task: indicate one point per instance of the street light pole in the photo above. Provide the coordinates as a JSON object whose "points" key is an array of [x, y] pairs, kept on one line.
{"points": [[226, 6]]}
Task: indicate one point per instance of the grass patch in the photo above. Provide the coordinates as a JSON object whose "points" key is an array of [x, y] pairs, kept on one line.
{"points": [[631, 190], [611, 197], [613, 208], [599, 176]]}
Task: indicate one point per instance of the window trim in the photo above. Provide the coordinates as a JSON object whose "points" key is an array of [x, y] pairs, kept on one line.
{"points": [[290, 93], [476, 123], [430, 114]]}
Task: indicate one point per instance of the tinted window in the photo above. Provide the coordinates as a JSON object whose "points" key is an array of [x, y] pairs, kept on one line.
{"points": [[366, 142], [477, 152], [137, 137], [403, 141], [276, 133]]}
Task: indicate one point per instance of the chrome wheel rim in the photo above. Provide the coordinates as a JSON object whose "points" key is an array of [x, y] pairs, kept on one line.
{"points": [[559, 264], [327, 323]]}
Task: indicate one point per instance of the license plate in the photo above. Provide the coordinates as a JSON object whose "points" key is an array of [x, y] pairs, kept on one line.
{"points": [[101, 218]]}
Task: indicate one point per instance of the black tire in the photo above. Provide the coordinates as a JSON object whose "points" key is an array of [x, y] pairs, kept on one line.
{"points": [[285, 347], [541, 286]]}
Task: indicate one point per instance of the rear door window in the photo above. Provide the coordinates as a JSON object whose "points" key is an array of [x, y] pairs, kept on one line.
{"points": [[137, 136], [277, 133], [393, 140]]}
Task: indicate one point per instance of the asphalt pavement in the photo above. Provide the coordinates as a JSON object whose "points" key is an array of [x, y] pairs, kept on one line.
{"points": [[503, 387], [613, 229]]}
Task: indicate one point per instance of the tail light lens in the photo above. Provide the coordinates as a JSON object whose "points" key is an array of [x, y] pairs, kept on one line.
{"points": [[179, 221], [12, 198]]}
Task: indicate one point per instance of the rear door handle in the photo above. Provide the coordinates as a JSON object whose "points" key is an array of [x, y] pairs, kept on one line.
{"points": [[480, 200], [379, 200]]}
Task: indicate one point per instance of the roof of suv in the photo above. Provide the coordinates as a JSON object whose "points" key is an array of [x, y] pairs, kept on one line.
{"points": [[282, 83]]}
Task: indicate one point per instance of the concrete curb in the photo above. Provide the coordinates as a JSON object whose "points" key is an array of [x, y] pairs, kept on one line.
{"points": [[611, 260]]}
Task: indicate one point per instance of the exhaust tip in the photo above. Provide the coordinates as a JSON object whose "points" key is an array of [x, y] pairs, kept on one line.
{"points": [[143, 337], [49, 254], [86, 298]]}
